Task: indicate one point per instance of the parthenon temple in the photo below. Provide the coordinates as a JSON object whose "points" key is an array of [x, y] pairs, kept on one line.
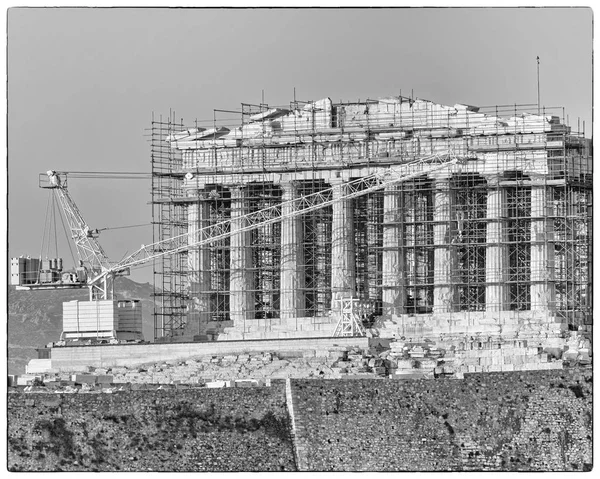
{"points": [[495, 244]]}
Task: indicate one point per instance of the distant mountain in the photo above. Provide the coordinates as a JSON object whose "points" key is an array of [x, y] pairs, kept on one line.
{"points": [[35, 317]]}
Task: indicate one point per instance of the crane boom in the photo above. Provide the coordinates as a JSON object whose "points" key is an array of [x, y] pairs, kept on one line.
{"points": [[298, 206]]}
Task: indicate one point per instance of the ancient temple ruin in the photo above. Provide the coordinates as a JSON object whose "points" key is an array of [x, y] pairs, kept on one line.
{"points": [[495, 246]]}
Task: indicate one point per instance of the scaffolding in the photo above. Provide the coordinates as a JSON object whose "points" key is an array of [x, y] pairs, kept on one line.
{"points": [[169, 219], [510, 231]]}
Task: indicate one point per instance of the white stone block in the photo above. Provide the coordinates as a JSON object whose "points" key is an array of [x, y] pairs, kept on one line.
{"points": [[570, 355], [25, 380], [38, 366], [216, 384], [584, 354]]}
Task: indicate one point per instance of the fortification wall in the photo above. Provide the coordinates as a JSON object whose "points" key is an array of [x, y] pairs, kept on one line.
{"points": [[526, 421], [159, 430]]}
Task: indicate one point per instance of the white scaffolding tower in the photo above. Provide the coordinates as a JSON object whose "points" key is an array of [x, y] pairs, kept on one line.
{"points": [[350, 321]]}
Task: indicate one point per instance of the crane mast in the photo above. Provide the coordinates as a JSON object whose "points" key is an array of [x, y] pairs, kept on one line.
{"points": [[89, 251]]}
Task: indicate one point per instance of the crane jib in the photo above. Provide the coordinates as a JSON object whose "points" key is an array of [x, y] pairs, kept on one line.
{"points": [[298, 206]]}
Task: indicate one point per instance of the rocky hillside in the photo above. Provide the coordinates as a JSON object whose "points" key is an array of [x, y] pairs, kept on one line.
{"points": [[233, 429], [35, 317]]}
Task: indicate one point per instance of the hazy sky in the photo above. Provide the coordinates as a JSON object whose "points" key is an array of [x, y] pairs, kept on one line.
{"points": [[83, 83]]}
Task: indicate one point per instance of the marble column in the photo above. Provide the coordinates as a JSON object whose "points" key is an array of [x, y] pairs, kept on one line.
{"points": [[444, 291], [199, 284], [292, 298], [496, 259], [241, 295], [393, 275], [343, 269], [543, 293]]}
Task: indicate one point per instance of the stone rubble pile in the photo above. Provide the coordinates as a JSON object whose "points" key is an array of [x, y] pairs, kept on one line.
{"points": [[223, 371], [476, 354], [396, 359]]}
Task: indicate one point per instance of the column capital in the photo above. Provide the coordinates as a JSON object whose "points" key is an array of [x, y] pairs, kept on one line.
{"points": [[192, 193], [537, 180], [203, 194], [212, 194], [442, 183], [289, 186], [440, 175], [394, 187], [237, 190], [493, 179]]}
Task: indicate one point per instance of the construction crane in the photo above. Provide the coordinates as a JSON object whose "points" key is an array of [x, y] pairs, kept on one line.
{"points": [[101, 275], [93, 261], [100, 316], [89, 250]]}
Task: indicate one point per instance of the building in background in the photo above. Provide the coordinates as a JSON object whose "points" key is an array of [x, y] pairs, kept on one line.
{"points": [[496, 248]]}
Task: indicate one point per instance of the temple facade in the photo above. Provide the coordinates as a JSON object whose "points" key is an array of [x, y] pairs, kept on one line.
{"points": [[496, 246]]}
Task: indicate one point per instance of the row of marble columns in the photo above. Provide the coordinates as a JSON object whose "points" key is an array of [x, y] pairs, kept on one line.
{"points": [[445, 291], [542, 279], [497, 294], [343, 275]]}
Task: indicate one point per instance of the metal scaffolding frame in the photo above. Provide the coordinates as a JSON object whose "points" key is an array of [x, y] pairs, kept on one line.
{"points": [[169, 219], [567, 184]]}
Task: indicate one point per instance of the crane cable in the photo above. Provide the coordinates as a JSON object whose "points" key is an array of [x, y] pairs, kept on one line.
{"points": [[49, 225], [123, 227], [50, 217], [55, 228], [114, 175], [45, 226]]}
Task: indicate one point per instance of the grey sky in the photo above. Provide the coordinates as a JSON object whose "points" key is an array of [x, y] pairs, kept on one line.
{"points": [[83, 83]]}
